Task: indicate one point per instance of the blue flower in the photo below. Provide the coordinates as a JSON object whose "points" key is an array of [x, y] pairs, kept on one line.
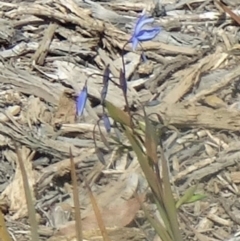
{"points": [[81, 101], [141, 35]]}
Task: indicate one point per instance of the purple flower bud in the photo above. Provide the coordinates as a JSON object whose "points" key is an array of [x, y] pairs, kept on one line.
{"points": [[123, 81], [81, 101], [105, 83], [106, 122]]}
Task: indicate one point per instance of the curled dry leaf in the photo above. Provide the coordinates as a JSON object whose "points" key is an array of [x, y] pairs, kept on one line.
{"points": [[15, 190], [116, 215], [116, 212], [66, 110]]}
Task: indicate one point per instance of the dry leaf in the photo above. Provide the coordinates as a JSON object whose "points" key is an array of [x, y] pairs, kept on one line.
{"points": [[115, 210], [36, 111], [15, 190], [118, 214], [66, 110]]}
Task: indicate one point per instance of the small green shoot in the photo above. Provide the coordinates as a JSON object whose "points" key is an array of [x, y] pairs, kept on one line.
{"points": [[187, 195], [190, 197], [196, 197]]}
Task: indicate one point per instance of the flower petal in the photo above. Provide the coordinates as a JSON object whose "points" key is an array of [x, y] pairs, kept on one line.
{"points": [[134, 42], [148, 34], [138, 24], [141, 22], [81, 101]]}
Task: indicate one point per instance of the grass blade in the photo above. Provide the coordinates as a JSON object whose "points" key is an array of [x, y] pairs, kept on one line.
{"points": [[158, 227], [143, 161], [78, 220], [169, 201], [28, 195], [163, 214], [151, 142], [97, 213], [4, 234], [117, 114]]}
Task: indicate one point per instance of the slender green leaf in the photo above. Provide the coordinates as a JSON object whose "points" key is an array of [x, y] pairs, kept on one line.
{"points": [[143, 161], [151, 141], [117, 114], [158, 227], [163, 214], [151, 144], [169, 201]]}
